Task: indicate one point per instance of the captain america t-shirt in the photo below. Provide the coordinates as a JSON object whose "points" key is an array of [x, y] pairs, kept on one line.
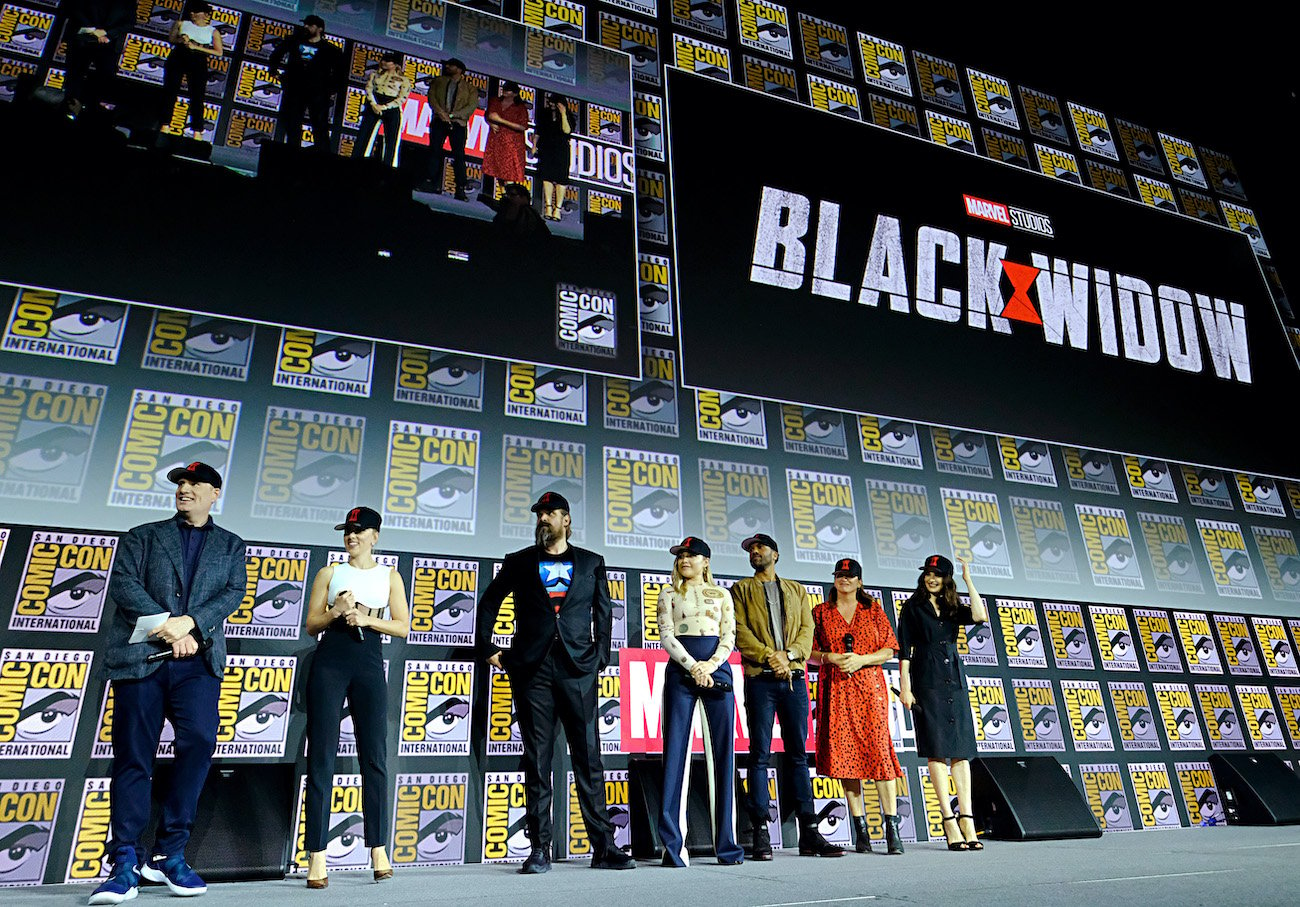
{"points": [[556, 571]]}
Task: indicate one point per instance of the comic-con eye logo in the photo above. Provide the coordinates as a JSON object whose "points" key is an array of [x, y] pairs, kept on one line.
{"points": [[1090, 470], [1137, 723], [1114, 638], [1027, 461], [63, 583], [503, 737], [831, 809], [764, 26], [900, 522], [28, 809], [344, 828], [1220, 717], [647, 126], [1198, 642], [443, 596], [324, 362], [1261, 717], [309, 465], [823, 519], [552, 395], [47, 428], [656, 314], [771, 78], [1109, 546], [439, 378], [429, 820], [199, 345], [609, 724], [649, 405], [1089, 726], [889, 442], [505, 838], [1021, 638], [1069, 635], [65, 327], [640, 42], [988, 701], [833, 97], [1103, 785], [818, 432], [1206, 487], [253, 706], [976, 532], [273, 596], [41, 692], [825, 45], [1276, 648], [1045, 547], [87, 858], [961, 452], [1043, 116], [1157, 635], [1230, 564], [642, 497], [1260, 495], [431, 477], [1155, 795], [1177, 713], [586, 320], [730, 419], [436, 698], [737, 502], [550, 56], [1040, 719]]}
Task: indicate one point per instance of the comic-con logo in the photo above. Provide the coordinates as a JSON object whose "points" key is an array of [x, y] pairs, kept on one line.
{"points": [[166, 430], [1150, 479], [143, 58], [1114, 638], [764, 26], [889, 442], [1043, 116], [24, 31], [1109, 546], [1093, 131], [324, 362], [1027, 461], [1198, 642], [429, 819], [503, 631], [961, 452], [203, 345], [1135, 715], [63, 583], [421, 21], [1238, 648], [1058, 164], [41, 692], [988, 701], [505, 838], [550, 56], [248, 129], [891, 113], [1090, 470], [822, 516], [1169, 552], [436, 698], [884, 64], [652, 586], [616, 580], [264, 37], [443, 597], [12, 74], [651, 206], [771, 78], [439, 378], [648, 127], [834, 97], [344, 826], [1103, 787], [273, 598], [1237, 218], [1278, 655], [47, 428], [1045, 547], [976, 532], [694, 55], [1069, 636], [617, 810], [1021, 637], [774, 810], [1107, 178], [817, 432], [831, 808], [1139, 144], [609, 725], [88, 859], [1040, 719], [1183, 163], [737, 502], [28, 808], [1289, 699], [1157, 636], [503, 738], [1222, 173], [1200, 793], [1219, 717], [530, 468], [656, 313], [253, 706], [1086, 711], [975, 643], [552, 395], [730, 419], [1259, 494], [431, 478], [702, 15], [1005, 148], [1154, 795], [825, 46], [1230, 564], [992, 97], [257, 87], [639, 41], [648, 405], [1202, 207], [1281, 559], [900, 522], [63, 326], [1155, 193], [309, 464], [586, 320], [1261, 717], [1178, 716], [643, 498], [939, 81]]}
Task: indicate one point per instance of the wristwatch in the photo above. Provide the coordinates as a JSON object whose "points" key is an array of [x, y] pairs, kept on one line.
{"points": [[790, 655]]}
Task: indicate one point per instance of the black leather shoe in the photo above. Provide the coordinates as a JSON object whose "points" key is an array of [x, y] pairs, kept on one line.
{"points": [[813, 844], [762, 844], [893, 838], [612, 858], [538, 862], [861, 837]]}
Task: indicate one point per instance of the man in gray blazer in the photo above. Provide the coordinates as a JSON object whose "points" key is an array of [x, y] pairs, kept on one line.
{"points": [[191, 571]]}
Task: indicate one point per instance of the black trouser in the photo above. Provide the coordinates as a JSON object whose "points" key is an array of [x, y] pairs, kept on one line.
{"points": [[315, 102], [559, 691], [369, 137], [85, 51], [439, 132], [344, 667], [191, 65]]}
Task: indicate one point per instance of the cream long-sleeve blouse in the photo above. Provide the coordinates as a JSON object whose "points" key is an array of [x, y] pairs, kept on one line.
{"points": [[702, 610]]}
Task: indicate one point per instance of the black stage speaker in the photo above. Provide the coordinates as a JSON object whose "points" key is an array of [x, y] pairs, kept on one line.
{"points": [[313, 171], [645, 793], [1029, 798], [242, 828], [1257, 789]]}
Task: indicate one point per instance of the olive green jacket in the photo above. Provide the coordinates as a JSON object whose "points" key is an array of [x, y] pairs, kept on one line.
{"points": [[754, 631]]}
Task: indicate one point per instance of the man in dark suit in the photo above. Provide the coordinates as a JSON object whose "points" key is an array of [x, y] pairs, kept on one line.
{"points": [[561, 643], [191, 570]]}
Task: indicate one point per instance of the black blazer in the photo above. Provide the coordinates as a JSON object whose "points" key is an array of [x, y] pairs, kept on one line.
{"points": [[584, 623]]}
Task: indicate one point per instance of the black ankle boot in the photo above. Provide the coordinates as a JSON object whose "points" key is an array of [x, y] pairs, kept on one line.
{"points": [[893, 839], [861, 840], [812, 843]]}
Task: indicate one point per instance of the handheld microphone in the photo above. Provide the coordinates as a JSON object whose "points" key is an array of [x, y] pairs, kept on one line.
{"points": [[166, 654], [848, 642]]}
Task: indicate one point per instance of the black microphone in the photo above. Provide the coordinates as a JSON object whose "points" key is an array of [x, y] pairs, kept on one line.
{"points": [[848, 642], [166, 654]]}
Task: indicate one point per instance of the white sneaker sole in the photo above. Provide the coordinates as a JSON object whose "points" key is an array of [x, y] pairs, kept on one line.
{"points": [[154, 875], [108, 897]]}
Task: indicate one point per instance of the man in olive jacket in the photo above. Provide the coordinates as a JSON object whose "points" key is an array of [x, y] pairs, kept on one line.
{"points": [[774, 633], [453, 100]]}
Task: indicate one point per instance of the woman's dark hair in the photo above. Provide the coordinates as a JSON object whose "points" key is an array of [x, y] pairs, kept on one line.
{"points": [[510, 86], [865, 599], [199, 6], [392, 56], [948, 600]]}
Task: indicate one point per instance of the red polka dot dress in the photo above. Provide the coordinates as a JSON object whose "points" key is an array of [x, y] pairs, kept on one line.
{"points": [[853, 709]]}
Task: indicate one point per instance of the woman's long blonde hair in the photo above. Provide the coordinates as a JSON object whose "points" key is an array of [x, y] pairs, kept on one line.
{"points": [[679, 584]]}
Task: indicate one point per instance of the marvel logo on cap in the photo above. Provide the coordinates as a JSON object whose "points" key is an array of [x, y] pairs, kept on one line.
{"points": [[195, 472], [692, 545], [551, 500], [360, 518], [937, 563], [848, 567]]}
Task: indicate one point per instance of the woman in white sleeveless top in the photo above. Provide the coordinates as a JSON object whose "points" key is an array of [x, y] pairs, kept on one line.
{"points": [[194, 39], [352, 606]]}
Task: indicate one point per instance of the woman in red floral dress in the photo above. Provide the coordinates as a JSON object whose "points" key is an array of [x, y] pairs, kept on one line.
{"points": [[507, 117], [852, 639]]}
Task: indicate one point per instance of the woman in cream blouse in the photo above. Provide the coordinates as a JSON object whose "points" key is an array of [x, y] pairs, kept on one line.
{"points": [[697, 627]]}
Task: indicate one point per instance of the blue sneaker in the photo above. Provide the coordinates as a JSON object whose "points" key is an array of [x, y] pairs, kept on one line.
{"points": [[176, 874], [122, 885]]}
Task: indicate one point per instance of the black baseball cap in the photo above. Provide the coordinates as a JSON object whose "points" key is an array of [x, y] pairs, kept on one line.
{"points": [[848, 567], [937, 563], [692, 545], [314, 20], [457, 62], [759, 538], [361, 518], [195, 472], [551, 500]]}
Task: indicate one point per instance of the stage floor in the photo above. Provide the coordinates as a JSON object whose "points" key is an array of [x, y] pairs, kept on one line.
{"points": [[1219, 866]]}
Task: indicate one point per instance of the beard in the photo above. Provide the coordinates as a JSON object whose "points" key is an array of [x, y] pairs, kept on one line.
{"points": [[545, 535]]}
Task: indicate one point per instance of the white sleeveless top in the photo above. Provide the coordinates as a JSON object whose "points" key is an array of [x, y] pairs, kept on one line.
{"points": [[369, 587], [199, 34]]}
